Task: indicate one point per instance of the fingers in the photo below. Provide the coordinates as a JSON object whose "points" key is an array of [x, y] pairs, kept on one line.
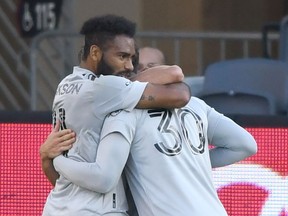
{"points": [[57, 142], [66, 146], [65, 142], [63, 134], [66, 134], [68, 139], [57, 126]]}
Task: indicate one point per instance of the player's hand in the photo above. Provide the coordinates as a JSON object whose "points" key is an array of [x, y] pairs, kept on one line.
{"points": [[57, 142]]}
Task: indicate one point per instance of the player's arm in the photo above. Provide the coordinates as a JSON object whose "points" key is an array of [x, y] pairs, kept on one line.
{"points": [[168, 96], [163, 74], [165, 88], [104, 174], [232, 143], [56, 142]]}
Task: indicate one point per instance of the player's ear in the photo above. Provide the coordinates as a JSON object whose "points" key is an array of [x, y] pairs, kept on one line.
{"points": [[95, 53]]}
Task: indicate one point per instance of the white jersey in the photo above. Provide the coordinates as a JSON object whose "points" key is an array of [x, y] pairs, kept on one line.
{"points": [[168, 169], [81, 103]]}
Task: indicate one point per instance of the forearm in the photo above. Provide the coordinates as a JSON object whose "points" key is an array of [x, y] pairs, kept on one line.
{"points": [[56, 142], [175, 95], [163, 74], [84, 174], [223, 156], [232, 144], [49, 171], [102, 175]]}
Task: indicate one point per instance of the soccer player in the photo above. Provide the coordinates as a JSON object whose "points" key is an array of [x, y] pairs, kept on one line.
{"points": [[168, 162], [86, 96], [150, 57]]}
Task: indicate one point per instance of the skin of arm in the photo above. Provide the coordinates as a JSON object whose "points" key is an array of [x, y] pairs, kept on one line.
{"points": [[165, 88], [164, 74], [232, 144], [168, 96], [56, 142], [102, 175]]}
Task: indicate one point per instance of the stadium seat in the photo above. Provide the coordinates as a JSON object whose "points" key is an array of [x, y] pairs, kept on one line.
{"points": [[253, 86], [233, 103], [195, 83]]}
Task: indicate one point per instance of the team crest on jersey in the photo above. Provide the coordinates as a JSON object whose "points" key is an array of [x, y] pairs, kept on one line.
{"points": [[115, 113], [128, 83], [89, 76]]}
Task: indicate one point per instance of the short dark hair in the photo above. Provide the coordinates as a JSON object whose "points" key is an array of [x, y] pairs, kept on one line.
{"points": [[101, 29]]}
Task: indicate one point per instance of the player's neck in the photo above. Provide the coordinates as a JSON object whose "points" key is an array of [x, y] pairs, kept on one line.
{"points": [[87, 66]]}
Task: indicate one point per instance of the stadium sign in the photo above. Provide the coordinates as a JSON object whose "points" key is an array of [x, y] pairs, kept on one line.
{"points": [[36, 16]]}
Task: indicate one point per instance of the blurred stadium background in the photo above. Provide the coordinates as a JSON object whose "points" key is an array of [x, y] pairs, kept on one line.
{"points": [[39, 44]]}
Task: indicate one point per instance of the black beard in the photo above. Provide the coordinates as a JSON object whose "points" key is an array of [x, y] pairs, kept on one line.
{"points": [[104, 68]]}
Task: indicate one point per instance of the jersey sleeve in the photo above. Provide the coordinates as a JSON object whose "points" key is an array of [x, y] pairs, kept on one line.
{"points": [[231, 141], [112, 93], [102, 175], [122, 122]]}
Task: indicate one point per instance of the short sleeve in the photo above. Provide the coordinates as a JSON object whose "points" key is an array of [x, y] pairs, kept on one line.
{"points": [[121, 122], [111, 93]]}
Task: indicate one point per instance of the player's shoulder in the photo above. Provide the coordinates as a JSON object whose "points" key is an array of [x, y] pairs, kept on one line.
{"points": [[199, 106], [112, 80], [117, 113], [124, 114], [197, 102]]}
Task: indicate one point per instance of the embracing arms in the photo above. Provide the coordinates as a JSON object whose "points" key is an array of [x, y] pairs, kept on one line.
{"points": [[102, 175], [164, 74], [165, 88]]}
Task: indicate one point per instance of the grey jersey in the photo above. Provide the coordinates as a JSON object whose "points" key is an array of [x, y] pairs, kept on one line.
{"points": [[81, 102], [168, 169]]}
